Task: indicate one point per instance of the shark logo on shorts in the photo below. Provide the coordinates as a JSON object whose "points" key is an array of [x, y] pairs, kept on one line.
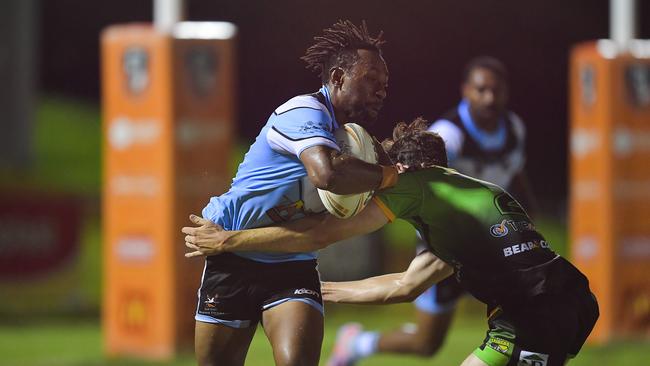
{"points": [[211, 302], [532, 359]]}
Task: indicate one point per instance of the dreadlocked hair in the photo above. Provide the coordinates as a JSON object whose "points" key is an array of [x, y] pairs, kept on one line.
{"points": [[412, 145], [337, 46]]}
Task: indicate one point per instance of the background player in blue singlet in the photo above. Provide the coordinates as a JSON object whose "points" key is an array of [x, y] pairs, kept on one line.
{"points": [[294, 154], [486, 141]]}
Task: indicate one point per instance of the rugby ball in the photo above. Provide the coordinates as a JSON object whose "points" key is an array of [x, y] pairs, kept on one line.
{"points": [[356, 141]]}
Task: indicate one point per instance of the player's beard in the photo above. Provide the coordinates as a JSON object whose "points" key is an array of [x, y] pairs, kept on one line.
{"points": [[363, 116]]}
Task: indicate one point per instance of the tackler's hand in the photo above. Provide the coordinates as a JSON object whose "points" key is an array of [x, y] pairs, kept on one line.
{"points": [[330, 291], [207, 238]]}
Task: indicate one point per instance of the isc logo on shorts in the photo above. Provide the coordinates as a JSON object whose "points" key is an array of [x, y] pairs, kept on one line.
{"points": [[532, 359], [306, 291]]}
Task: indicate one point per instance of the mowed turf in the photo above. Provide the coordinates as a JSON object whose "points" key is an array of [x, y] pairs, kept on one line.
{"points": [[78, 342]]}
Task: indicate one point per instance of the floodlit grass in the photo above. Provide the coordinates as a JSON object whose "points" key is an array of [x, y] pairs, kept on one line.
{"points": [[68, 160], [76, 342]]}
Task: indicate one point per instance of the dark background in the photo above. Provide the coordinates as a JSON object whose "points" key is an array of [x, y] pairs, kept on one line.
{"points": [[428, 45]]}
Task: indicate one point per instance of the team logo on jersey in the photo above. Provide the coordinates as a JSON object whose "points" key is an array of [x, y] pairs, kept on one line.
{"points": [[284, 212], [311, 126], [503, 228], [532, 359], [499, 345], [499, 230]]}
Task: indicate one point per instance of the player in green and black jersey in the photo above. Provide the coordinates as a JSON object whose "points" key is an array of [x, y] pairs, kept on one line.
{"points": [[540, 308]]}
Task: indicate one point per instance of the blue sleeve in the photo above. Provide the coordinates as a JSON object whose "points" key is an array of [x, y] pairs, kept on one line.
{"points": [[297, 129], [304, 122]]}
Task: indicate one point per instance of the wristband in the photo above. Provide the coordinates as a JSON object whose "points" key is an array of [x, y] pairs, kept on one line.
{"points": [[388, 176]]}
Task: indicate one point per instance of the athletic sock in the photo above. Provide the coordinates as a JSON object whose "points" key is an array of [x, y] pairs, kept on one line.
{"points": [[366, 344]]}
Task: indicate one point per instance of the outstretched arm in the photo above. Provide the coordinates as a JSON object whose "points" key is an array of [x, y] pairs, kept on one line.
{"points": [[305, 235], [425, 270]]}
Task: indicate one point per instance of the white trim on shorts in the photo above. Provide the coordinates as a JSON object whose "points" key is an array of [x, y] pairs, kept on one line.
{"points": [[308, 301], [229, 323]]}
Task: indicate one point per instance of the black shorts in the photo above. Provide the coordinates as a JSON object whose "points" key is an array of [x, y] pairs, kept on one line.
{"points": [[545, 330], [235, 291]]}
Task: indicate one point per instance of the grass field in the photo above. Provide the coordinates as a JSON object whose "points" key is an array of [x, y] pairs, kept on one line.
{"points": [[67, 140], [77, 342]]}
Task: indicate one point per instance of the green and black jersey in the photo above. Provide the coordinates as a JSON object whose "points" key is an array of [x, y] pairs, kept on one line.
{"points": [[480, 230]]}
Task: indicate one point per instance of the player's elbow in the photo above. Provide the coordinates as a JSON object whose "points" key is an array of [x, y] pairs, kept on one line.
{"points": [[405, 292], [321, 239], [402, 297], [324, 179], [410, 295]]}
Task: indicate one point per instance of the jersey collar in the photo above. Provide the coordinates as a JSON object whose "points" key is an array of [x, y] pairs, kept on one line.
{"points": [[325, 91], [487, 140]]}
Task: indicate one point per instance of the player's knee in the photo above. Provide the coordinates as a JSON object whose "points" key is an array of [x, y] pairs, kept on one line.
{"points": [[294, 360], [427, 351], [211, 357], [219, 361], [288, 358], [203, 355], [427, 348], [207, 360]]}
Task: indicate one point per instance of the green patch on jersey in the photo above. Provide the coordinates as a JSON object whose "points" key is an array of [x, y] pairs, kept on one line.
{"points": [[508, 205]]}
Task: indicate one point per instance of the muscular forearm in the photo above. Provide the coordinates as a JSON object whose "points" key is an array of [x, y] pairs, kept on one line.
{"points": [[272, 239], [386, 289], [425, 270], [304, 235], [293, 237]]}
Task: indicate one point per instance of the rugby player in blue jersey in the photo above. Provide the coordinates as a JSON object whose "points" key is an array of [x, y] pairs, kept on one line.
{"points": [[294, 153]]}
